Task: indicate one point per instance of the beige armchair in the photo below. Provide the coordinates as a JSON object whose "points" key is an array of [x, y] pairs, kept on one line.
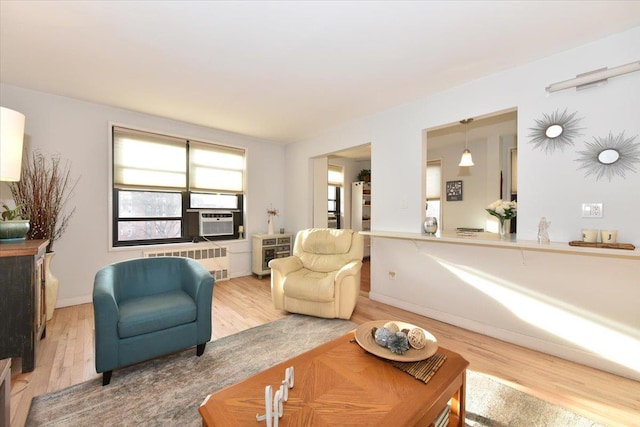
{"points": [[322, 277]]}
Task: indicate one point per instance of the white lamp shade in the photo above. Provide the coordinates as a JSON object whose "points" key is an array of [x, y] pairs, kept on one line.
{"points": [[11, 137], [466, 159]]}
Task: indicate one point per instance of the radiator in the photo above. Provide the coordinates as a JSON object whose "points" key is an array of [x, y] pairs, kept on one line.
{"points": [[214, 258]]}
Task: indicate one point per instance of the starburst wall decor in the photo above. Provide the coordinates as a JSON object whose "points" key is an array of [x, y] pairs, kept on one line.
{"points": [[555, 130], [610, 156]]}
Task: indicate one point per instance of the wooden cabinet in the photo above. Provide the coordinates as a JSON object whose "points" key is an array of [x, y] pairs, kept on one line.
{"points": [[5, 392], [361, 210], [23, 311], [267, 247]]}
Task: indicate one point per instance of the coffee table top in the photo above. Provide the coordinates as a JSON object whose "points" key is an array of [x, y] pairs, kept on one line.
{"points": [[340, 381]]}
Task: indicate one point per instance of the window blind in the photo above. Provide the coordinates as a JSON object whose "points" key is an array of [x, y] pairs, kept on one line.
{"points": [[514, 171], [434, 180], [143, 160], [335, 175], [214, 168], [148, 161]]}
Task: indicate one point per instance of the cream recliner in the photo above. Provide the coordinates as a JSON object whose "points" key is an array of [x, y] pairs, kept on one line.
{"points": [[322, 277]]}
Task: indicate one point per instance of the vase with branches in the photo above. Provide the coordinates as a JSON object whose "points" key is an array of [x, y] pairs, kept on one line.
{"points": [[43, 193]]}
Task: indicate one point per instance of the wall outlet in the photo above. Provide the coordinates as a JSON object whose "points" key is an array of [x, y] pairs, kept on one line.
{"points": [[592, 210]]}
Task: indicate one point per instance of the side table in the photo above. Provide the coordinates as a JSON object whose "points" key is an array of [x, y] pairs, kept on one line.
{"points": [[267, 247]]}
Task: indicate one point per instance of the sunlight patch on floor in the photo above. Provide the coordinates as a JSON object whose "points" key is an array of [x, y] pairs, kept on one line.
{"points": [[587, 330]]}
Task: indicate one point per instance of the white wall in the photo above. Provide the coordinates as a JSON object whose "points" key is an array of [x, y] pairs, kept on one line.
{"points": [[79, 131], [549, 185]]}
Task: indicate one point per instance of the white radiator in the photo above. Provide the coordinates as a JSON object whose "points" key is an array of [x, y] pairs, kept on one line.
{"points": [[214, 258]]}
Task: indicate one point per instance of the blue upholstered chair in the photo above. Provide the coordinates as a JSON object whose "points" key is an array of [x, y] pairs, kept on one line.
{"points": [[148, 307]]}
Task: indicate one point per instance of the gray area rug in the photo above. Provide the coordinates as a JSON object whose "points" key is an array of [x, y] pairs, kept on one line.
{"points": [[168, 391], [492, 404]]}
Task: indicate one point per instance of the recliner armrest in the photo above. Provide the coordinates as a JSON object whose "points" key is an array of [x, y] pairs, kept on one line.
{"points": [[286, 265], [350, 269]]}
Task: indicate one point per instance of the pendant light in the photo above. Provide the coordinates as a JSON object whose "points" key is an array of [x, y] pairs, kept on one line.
{"points": [[466, 159]]}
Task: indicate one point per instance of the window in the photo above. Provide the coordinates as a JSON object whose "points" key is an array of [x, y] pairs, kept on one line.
{"points": [[335, 179], [434, 188], [159, 180]]}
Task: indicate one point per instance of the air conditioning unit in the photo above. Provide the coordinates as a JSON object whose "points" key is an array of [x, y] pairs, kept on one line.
{"points": [[215, 223]]}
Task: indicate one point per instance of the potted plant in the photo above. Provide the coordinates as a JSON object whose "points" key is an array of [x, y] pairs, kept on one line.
{"points": [[365, 175], [13, 227], [43, 192]]}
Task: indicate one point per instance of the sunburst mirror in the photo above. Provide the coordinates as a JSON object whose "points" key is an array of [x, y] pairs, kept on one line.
{"points": [[610, 156], [555, 130]]}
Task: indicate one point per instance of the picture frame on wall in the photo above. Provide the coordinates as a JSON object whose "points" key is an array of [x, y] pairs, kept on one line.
{"points": [[454, 191]]}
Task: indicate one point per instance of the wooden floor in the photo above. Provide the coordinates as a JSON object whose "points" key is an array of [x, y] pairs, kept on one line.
{"points": [[66, 355]]}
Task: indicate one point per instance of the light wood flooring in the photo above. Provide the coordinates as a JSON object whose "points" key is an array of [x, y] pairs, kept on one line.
{"points": [[66, 355]]}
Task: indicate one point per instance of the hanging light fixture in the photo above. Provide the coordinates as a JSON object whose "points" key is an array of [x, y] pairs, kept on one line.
{"points": [[11, 137], [466, 159]]}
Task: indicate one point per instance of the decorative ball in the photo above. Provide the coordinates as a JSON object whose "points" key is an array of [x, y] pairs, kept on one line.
{"points": [[398, 343], [431, 225], [417, 338], [382, 336], [392, 327]]}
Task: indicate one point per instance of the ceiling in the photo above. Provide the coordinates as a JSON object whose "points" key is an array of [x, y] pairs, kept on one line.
{"points": [[358, 153], [282, 70], [479, 128]]}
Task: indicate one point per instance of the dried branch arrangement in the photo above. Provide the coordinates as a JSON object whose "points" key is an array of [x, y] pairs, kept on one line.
{"points": [[43, 191]]}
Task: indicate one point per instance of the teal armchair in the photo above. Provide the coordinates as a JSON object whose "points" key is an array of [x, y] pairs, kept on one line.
{"points": [[148, 307]]}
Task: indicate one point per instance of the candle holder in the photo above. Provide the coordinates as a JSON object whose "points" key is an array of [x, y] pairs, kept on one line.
{"points": [[274, 404]]}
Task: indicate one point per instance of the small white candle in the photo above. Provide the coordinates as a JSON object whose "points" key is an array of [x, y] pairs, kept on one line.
{"points": [[240, 229]]}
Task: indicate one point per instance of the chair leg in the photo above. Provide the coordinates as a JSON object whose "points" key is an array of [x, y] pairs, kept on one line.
{"points": [[106, 377], [200, 349]]}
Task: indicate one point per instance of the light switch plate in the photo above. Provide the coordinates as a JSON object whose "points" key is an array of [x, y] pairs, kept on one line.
{"points": [[592, 210]]}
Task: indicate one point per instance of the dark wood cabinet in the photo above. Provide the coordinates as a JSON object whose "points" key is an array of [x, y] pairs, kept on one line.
{"points": [[22, 303]]}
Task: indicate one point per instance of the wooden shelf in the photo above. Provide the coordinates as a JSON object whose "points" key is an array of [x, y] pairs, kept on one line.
{"points": [[627, 246]]}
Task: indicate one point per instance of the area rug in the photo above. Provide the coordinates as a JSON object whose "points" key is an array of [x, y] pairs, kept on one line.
{"points": [[167, 391], [492, 404]]}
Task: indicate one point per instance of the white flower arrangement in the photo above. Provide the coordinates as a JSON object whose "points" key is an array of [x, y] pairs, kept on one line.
{"points": [[503, 209]]}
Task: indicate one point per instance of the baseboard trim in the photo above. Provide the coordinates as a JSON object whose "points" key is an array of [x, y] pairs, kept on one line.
{"points": [[67, 302]]}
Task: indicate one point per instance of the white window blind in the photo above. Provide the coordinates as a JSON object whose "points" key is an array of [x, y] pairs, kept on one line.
{"points": [[143, 160], [335, 175], [434, 180], [148, 161], [514, 171], [215, 168]]}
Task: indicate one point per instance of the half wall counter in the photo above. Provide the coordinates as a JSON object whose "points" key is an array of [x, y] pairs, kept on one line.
{"points": [[577, 303]]}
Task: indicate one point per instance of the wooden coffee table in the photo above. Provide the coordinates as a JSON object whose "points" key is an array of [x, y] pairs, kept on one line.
{"points": [[339, 383]]}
